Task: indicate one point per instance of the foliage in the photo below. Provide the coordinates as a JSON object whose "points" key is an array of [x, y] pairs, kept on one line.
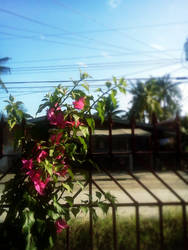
{"points": [[3, 70], [126, 233], [184, 130], [40, 197], [157, 95], [15, 112]]}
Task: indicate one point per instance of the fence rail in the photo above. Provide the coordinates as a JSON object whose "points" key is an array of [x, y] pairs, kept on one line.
{"points": [[158, 203]]}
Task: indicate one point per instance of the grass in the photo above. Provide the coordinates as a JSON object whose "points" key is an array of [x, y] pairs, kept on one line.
{"points": [[126, 233]]}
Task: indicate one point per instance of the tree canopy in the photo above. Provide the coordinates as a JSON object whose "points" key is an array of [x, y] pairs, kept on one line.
{"points": [[3, 70], [156, 95]]}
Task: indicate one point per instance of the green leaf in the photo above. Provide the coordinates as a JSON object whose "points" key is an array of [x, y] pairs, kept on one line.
{"points": [[67, 187], [114, 79], [71, 173], [101, 110], [108, 84], [122, 90], [69, 200], [104, 207], [113, 94], [80, 184], [57, 206], [75, 210], [110, 197], [53, 215], [51, 152], [91, 123], [99, 195], [84, 209], [98, 90], [122, 82], [29, 220], [42, 106], [85, 85], [84, 76], [48, 167], [84, 144], [76, 117], [84, 130]]}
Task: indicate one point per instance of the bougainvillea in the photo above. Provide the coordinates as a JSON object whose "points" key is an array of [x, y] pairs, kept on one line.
{"points": [[40, 197]]}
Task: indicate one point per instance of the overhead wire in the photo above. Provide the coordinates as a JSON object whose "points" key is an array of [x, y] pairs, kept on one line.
{"points": [[78, 12], [58, 28]]}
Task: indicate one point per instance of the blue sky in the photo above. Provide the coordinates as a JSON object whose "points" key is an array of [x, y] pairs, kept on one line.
{"points": [[53, 39]]}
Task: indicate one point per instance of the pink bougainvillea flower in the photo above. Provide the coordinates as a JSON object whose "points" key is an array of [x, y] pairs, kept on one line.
{"points": [[63, 172], [79, 104], [57, 106], [40, 185], [56, 138], [52, 116], [42, 155], [60, 224], [27, 164], [61, 123], [74, 124]]}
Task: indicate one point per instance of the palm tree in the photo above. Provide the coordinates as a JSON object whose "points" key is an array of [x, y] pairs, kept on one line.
{"points": [[111, 108], [3, 70], [155, 95], [144, 101], [169, 97]]}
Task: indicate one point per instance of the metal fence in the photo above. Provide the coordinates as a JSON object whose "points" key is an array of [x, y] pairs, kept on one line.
{"points": [[155, 152], [112, 156]]}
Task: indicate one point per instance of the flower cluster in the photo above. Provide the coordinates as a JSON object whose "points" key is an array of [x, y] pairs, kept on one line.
{"points": [[56, 117], [51, 159], [35, 176]]}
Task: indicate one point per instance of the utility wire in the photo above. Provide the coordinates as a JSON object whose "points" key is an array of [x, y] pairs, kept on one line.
{"points": [[57, 28], [54, 42], [89, 57], [78, 12], [179, 78]]}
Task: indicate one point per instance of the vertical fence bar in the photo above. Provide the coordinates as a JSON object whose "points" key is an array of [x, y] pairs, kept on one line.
{"points": [[68, 238], [133, 142], [155, 139], [184, 220], [114, 227], [110, 134], [161, 227], [90, 191], [1, 136], [137, 228], [90, 210], [178, 143]]}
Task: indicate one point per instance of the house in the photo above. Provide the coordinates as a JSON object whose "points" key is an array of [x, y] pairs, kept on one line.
{"points": [[129, 145]]}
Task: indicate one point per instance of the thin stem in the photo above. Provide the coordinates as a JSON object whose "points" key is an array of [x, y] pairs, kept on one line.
{"points": [[70, 92], [104, 93]]}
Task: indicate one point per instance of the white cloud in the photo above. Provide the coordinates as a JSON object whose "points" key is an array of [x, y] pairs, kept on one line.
{"points": [[114, 3], [157, 46]]}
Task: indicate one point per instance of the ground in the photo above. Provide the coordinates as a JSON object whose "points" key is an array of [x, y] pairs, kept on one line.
{"points": [[136, 190]]}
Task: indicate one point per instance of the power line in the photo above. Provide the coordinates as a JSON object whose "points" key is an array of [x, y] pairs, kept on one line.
{"points": [[57, 28], [95, 64], [53, 41], [90, 57], [97, 22], [179, 78]]}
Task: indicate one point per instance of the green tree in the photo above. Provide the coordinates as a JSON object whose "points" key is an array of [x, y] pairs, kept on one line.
{"points": [[155, 95], [169, 97], [3, 70]]}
